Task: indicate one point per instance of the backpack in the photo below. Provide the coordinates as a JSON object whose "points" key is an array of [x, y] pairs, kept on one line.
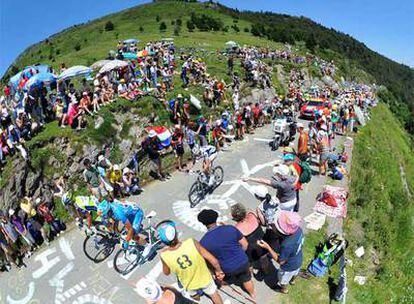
{"points": [[306, 175]]}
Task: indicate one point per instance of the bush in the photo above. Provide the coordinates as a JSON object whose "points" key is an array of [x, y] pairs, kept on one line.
{"points": [[157, 18], [190, 26], [163, 26], [172, 22], [246, 30], [235, 28], [226, 29], [206, 23], [141, 29], [77, 47], [177, 31], [179, 22], [109, 26]]}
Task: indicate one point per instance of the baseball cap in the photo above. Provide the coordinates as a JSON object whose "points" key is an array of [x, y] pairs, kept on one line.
{"points": [[148, 289]]}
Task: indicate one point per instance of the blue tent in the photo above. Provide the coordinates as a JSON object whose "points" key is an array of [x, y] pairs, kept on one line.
{"points": [[77, 70], [14, 81], [129, 41], [129, 55], [46, 78]]}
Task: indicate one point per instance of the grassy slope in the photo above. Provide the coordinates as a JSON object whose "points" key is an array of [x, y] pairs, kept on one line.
{"points": [[96, 42], [381, 213]]}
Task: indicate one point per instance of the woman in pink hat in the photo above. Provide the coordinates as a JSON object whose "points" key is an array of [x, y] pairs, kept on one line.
{"points": [[287, 225]]}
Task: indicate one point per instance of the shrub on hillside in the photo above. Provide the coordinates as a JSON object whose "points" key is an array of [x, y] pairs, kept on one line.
{"points": [[163, 26], [235, 28], [179, 22], [109, 26], [157, 18], [206, 23], [190, 26], [246, 30], [141, 29], [177, 31], [77, 47]]}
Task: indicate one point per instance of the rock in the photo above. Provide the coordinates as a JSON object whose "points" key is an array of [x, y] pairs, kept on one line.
{"points": [[70, 151], [33, 182], [98, 122], [360, 252]]}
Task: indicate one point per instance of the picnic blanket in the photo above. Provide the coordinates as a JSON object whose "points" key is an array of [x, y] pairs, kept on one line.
{"points": [[340, 195]]}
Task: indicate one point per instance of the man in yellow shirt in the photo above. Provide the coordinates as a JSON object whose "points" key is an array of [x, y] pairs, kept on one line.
{"points": [[187, 260]]}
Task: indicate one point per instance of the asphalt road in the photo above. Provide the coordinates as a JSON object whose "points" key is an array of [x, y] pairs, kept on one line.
{"points": [[60, 273]]}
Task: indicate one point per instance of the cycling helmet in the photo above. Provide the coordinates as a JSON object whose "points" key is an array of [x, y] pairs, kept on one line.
{"points": [[288, 157], [66, 199], [260, 191], [104, 207], [167, 232]]}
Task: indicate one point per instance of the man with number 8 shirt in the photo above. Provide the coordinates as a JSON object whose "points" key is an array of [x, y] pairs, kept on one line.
{"points": [[187, 260]]}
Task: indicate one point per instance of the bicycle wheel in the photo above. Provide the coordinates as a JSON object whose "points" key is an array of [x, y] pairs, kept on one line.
{"points": [[106, 251], [196, 194], [126, 260], [218, 175], [97, 247]]}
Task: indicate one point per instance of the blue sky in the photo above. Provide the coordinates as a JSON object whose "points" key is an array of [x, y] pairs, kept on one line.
{"points": [[385, 26]]}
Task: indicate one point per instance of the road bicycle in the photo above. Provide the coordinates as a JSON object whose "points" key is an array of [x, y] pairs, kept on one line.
{"points": [[201, 188], [100, 243], [134, 255]]}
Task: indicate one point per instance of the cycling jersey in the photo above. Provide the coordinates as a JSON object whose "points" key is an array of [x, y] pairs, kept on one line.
{"points": [[86, 203], [128, 212], [209, 152]]}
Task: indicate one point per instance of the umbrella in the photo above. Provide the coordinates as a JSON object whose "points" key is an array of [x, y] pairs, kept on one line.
{"points": [[129, 41], [142, 53], [99, 64], [45, 78], [76, 70], [113, 64], [232, 44], [14, 81], [42, 68], [129, 55]]}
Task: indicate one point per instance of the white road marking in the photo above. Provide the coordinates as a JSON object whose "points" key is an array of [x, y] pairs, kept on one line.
{"points": [[66, 249], [26, 299], [263, 139], [188, 215], [46, 264]]}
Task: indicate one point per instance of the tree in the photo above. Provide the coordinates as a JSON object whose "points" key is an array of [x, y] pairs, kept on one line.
{"points": [[109, 26], [77, 47], [163, 26], [179, 22], [190, 26], [235, 28], [246, 30], [310, 42], [141, 29], [158, 18]]}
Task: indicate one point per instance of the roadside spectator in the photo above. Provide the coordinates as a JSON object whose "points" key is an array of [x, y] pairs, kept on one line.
{"points": [[92, 179], [228, 245], [187, 261], [290, 256], [177, 142]]}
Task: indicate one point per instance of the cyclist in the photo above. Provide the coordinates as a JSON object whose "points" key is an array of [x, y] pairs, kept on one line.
{"points": [[209, 154], [83, 205], [130, 215]]}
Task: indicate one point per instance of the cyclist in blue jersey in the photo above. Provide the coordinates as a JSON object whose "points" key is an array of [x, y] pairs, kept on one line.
{"points": [[129, 215]]}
